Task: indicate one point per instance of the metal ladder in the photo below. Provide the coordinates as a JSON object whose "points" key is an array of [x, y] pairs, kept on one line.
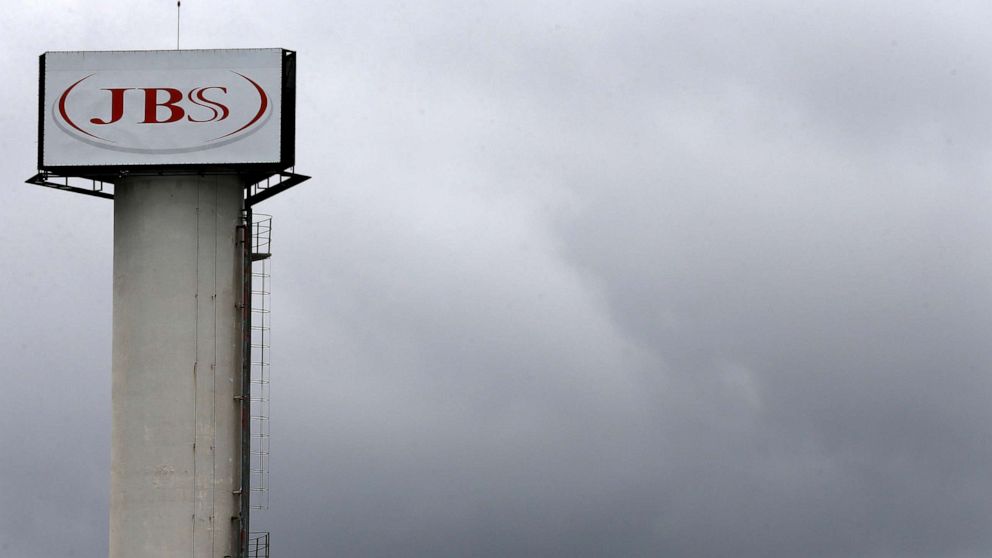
{"points": [[261, 293], [256, 245]]}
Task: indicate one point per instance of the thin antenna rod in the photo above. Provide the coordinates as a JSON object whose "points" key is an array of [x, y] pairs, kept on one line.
{"points": [[179, 4]]}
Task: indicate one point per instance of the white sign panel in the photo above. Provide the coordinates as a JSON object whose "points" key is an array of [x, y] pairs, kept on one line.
{"points": [[162, 108]]}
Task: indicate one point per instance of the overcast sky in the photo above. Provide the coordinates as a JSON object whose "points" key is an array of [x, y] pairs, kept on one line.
{"points": [[579, 279]]}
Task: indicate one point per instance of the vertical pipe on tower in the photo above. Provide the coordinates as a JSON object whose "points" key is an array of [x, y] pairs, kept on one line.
{"points": [[244, 511]]}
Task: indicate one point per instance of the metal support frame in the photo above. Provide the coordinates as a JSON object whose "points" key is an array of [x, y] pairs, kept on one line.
{"points": [[46, 179], [258, 189], [265, 188]]}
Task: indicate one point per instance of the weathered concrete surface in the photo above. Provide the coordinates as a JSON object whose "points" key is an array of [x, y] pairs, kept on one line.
{"points": [[176, 367]]}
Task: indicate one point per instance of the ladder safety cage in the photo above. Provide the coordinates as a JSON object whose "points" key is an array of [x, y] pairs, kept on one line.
{"points": [[258, 545], [261, 327]]}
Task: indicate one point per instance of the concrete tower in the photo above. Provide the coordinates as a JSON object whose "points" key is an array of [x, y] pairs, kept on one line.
{"points": [[185, 143], [177, 367]]}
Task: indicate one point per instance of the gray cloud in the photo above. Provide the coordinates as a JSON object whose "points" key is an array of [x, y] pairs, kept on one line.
{"points": [[629, 279]]}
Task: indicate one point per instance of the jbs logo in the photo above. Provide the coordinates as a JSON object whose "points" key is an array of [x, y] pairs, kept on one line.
{"points": [[153, 101], [157, 118]]}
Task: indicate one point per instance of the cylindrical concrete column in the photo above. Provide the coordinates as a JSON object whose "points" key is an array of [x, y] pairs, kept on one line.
{"points": [[175, 456]]}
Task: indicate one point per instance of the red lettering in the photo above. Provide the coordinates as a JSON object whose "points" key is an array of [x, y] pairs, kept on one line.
{"points": [[116, 105], [210, 108], [152, 105], [197, 97]]}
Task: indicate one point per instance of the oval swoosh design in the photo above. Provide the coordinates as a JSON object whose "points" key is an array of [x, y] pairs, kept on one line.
{"points": [[254, 124]]}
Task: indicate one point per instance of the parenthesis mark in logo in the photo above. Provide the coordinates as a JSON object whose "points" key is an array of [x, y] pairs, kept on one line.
{"points": [[65, 115], [263, 105]]}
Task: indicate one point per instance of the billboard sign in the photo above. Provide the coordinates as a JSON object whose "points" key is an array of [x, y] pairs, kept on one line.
{"points": [[107, 111]]}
